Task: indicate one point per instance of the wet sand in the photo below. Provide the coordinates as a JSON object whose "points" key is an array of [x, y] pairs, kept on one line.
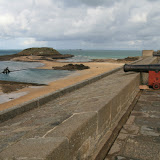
{"points": [[30, 92]]}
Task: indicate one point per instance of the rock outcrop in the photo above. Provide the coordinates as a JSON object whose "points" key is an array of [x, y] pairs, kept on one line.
{"points": [[128, 59], [72, 67], [43, 53], [124, 60]]}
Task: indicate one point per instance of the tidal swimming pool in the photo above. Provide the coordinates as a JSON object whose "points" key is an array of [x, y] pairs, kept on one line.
{"points": [[26, 72]]}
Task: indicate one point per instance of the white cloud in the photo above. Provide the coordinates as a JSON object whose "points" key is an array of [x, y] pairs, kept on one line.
{"points": [[139, 18], [33, 42], [6, 19], [99, 23]]}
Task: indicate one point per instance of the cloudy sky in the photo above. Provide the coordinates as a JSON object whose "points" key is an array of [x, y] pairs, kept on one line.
{"points": [[86, 24]]}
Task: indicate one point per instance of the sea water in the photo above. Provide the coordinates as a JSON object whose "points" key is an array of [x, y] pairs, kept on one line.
{"points": [[26, 72], [88, 55], [9, 51], [16, 66], [40, 76]]}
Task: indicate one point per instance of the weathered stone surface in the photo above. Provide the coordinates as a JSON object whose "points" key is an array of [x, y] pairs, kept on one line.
{"points": [[115, 108], [38, 148], [140, 136], [77, 129], [124, 158], [141, 150], [104, 118], [84, 150]]}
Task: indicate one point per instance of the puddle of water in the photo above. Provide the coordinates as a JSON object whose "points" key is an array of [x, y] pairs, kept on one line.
{"points": [[8, 97]]}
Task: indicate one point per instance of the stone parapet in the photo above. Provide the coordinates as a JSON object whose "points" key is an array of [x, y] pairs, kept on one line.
{"points": [[147, 53], [94, 113]]}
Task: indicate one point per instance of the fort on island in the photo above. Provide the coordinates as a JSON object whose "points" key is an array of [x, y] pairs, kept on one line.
{"points": [[111, 116]]}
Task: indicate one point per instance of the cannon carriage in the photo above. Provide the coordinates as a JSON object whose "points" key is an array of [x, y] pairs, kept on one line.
{"points": [[152, 69]]}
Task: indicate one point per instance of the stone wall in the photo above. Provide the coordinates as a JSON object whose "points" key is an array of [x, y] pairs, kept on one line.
{"points": [[87, 133], [147, 53]]}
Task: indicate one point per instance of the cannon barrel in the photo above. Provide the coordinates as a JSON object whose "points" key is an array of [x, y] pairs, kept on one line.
{"points": [[156, 54], [141, 68]]}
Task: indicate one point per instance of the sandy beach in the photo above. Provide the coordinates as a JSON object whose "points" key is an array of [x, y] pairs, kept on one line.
{"points": [[30, 92]]}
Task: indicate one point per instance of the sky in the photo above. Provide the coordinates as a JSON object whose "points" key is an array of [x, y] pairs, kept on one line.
{"points": [[80, 24]]}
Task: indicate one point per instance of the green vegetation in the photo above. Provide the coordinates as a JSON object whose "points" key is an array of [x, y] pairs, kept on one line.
{"points": [[44, 51]]}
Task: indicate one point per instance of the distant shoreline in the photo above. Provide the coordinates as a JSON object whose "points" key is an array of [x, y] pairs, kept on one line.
{"points": [[51, 58], [82, 55]]}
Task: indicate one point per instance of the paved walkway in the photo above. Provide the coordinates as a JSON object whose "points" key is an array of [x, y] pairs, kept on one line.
{"points": [[139, 138]]}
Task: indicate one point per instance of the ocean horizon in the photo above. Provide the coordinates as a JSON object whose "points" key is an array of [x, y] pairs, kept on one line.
{"points": [[26, 72], [87, 53]]}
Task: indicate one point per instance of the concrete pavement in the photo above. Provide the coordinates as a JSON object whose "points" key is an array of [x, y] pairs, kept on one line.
{"points": [[139, 138]]}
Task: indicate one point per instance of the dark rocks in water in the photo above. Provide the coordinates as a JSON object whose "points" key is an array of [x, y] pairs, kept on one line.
{"points": [[62, 56], [8, 57], [129, 59], [72, 67], [124, 60], [9, 86]]}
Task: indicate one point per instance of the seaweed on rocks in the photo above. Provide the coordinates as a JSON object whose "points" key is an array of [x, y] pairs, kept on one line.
{"points": [[72, 67]]}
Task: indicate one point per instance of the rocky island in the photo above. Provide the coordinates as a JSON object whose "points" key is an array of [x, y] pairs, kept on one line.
{"points": [[30, 55], [43, 53]]}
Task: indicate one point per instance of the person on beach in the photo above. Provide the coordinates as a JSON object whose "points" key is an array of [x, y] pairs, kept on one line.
{"points": [[6, 71]]}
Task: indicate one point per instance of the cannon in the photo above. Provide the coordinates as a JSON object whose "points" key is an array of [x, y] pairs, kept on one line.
{"points": [[152, 69], [156, 54]]}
